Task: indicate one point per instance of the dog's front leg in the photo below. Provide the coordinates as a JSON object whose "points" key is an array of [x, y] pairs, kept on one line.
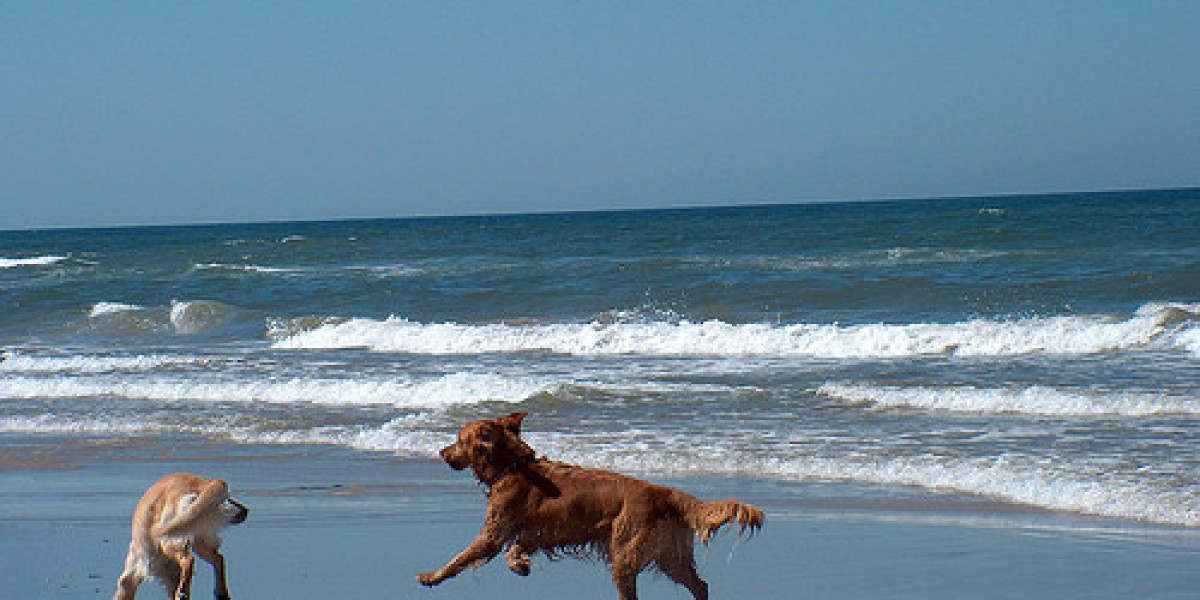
{"points": [[212, 555], [131, 578], [518, 559], [483, 549]]}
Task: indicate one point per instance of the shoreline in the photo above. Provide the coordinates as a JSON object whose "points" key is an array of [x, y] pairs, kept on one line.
{"points": [[328, 522]]}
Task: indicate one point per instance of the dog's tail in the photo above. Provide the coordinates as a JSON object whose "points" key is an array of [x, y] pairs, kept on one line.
{"points": [[193, 509], [706, 518]]}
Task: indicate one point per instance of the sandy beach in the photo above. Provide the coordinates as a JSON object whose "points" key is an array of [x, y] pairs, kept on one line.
{"points": [[328, 523]]}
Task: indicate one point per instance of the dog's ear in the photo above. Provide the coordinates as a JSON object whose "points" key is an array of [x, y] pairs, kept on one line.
{"points": [[513, 422]]}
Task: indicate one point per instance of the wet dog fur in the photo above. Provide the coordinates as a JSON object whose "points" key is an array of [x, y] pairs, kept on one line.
{"points": [[557, 508]]}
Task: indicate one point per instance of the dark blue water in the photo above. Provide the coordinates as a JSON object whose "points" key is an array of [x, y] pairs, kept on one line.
{"points": [[1040, 350]]}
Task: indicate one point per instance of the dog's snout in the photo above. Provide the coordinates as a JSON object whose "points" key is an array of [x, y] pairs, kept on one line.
{"points": [[240, 512], [453, 456]]}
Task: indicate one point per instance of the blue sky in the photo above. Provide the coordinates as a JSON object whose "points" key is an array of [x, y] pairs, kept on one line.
{"points": [[118, 113]]}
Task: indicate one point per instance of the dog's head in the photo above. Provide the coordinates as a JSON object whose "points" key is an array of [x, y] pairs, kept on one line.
{"points": [[488, 446]]}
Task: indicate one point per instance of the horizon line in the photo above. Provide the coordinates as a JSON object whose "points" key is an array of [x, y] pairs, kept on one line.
{"points": [[587, 211]]}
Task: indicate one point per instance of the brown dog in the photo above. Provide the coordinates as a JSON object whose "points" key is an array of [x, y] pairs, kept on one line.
{"points": [[534, 504], [179, 514]]}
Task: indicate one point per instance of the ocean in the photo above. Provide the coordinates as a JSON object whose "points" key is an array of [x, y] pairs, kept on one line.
{"points": [[1039, 352]]}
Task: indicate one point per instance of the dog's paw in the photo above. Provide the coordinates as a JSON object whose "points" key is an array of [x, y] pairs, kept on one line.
{"points": [[518, 561], [430, 579], [520, 565]]}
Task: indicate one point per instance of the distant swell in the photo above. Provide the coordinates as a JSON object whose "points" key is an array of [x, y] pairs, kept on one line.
{"points": [[180, 317], [245, 268], [1166, 325]]}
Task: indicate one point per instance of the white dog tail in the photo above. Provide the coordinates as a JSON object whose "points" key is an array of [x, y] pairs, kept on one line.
{"points": [[192, 510]]}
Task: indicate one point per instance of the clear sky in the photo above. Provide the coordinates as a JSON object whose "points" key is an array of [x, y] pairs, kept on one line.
{"points": [[116, 112]]}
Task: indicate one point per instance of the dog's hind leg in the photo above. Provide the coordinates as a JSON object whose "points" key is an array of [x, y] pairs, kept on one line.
{"points": [[178, 576], [686, 575], [627, 561], [626, 581], [677, 560], [213, 556]]}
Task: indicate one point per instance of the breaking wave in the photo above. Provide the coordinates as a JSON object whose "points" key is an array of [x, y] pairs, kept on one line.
{"points": [[1154, 325], [1047, 487], [26, 363], [180, 317], [1035, 400], [1054, 486], [198, 316], [1064, 487], [32, 261], [102, 309], [436, 393]]}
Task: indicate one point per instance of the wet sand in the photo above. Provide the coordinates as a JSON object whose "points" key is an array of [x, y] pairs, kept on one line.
{"points": [[327, 523]]}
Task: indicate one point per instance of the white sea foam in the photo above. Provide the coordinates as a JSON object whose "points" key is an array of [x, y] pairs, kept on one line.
{"points": [[181, 316], [380, 271], [1190, 339], [24, 363], [1051, 485], [245, 268], [109, 308], [387, 438], [1056, 487], [1155, 324], [396, 436], [398, 270], [437, 393], [134, 426], [94, 425], [32, 261], [198, 316], [1035, 400]]}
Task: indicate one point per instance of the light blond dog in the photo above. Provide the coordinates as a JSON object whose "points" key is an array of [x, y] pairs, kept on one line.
{"points": [[180, 514]]}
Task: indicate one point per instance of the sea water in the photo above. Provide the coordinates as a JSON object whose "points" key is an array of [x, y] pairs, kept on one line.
{"points": [[1040, 351]]}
